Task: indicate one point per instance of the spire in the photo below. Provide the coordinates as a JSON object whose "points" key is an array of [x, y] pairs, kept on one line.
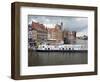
{"points": [[61, 25]]}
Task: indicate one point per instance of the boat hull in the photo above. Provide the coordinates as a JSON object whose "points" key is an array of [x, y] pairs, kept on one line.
{"points": [[61, 50]]}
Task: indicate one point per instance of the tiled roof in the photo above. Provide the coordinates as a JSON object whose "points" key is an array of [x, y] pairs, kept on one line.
{"points": [[38, 26]]}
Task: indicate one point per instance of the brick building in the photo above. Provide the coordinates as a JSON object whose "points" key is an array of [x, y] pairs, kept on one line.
{"points": [[40, 32], [55, 34]]}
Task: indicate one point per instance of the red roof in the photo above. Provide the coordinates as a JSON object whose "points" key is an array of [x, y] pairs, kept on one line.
{"points": [[38, 26]]}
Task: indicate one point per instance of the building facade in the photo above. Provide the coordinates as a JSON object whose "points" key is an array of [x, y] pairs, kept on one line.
{"points": [[40, 32], [55, 34], [69, 37], [30, 37]]}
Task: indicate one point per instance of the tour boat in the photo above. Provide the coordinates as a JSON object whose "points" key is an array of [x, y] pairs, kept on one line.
{"points": [[67, 47]]}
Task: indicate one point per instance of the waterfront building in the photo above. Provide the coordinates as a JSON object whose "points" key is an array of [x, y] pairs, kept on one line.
{"points": [[40, 32], [55, 34], [69, 37], [30, 36]]}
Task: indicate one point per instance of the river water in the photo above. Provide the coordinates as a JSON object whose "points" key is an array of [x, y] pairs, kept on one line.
{"points": [[56, 58]]}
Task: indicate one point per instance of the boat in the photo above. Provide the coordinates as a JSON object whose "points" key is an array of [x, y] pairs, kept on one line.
{"points": [[62, 48]]}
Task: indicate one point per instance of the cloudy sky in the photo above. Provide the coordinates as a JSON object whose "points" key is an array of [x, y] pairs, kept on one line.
{"points": [[78, 24]]}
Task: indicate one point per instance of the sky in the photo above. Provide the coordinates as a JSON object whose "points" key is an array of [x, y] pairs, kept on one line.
{"points": [[78, 24]]}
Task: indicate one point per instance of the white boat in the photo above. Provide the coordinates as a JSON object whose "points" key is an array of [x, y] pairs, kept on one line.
{"points": [[64, 47]]}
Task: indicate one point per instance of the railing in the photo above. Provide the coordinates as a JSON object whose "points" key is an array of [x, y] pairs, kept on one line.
{"points": [[62, 47]]}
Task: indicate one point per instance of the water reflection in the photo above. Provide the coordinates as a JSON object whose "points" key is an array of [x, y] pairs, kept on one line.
{"points": [[56, 58]]}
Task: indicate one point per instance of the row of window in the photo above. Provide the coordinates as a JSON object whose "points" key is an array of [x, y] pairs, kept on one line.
{"points": [[62, 49]]}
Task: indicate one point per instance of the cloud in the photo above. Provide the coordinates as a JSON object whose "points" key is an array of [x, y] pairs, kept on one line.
{"points": [[78, 24]]}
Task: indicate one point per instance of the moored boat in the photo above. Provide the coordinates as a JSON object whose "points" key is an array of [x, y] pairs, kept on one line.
{"points": [[63, 48]]}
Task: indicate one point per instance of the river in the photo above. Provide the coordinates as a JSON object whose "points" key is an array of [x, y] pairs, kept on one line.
{"points": [[56, 58]]}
